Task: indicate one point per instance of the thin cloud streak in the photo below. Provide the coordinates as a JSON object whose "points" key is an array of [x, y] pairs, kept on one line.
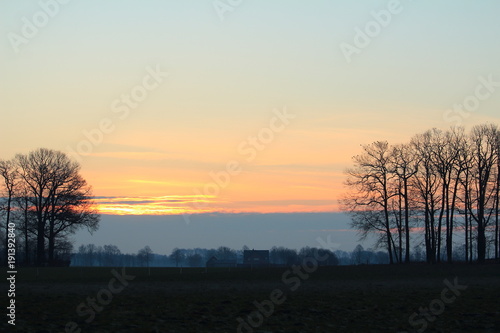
{"points": [[199, 204]]}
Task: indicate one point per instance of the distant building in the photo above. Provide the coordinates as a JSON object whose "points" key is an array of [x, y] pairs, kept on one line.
{"points": [[214, 262], [256, 258]]}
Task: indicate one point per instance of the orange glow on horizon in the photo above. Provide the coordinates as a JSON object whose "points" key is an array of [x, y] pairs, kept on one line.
{"points": [[193, 204], [171, 183]]}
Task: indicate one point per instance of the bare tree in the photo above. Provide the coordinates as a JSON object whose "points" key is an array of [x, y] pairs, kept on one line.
{"points": [[144, 255], [427, 184], [10, 176], [497, 198], [283, 256], [465, 163], [26, 220], [369, 201], [447, 179], [110, 254], [225, 253], [71, 208], [58, 195], [446, 150], [357, 255], [177, 256], [88, 254], [405, 167], [63, 249], [483, 144], [195, 260]]}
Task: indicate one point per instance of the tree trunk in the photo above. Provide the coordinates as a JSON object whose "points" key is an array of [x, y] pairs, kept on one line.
{"points": [[26, 236], [40, 243], [400, 228], [466, 225], [407, 222], [7, 221], [497, 199], [449, 244], [51, 243], [388, 229], [427, 238], [481, 236], [433, 231]]}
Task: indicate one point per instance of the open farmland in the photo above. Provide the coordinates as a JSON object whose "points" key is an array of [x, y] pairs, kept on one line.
{"points": [[329, 299]]}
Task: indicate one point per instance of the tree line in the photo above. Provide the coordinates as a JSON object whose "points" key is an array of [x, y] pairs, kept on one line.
{"points": [[46, 199], [110, 255], [440, 189]]}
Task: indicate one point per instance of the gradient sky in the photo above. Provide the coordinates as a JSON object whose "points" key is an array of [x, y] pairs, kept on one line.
{"points": [[226, 79], [257, 231]]}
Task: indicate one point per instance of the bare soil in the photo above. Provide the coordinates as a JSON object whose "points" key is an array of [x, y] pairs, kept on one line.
{"points": [[329, 299]]}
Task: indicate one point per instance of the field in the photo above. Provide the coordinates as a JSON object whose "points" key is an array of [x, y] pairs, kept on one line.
{"points": [[309, 299]]}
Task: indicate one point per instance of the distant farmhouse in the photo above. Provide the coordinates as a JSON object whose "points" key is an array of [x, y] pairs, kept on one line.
{"points": [[251, 258]]}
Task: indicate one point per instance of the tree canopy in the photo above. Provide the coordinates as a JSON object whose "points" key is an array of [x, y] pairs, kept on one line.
{"points": [[48, 200]]}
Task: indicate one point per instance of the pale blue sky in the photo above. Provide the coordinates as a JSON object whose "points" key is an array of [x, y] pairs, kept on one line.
{"points": [[226, 77], [264, 54]]}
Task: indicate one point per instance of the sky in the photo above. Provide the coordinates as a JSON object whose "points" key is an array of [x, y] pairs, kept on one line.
{"points": [[218, 106], [257, 231]]}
